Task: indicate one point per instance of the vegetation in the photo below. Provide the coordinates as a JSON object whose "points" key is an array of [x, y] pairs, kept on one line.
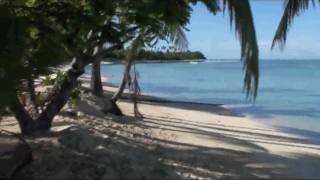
{"points": [[160, 55], [292, 9], [38, 35]]}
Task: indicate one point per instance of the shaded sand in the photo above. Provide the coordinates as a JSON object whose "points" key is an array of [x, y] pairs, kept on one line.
{"points": [[238, 145], [173, 140]]}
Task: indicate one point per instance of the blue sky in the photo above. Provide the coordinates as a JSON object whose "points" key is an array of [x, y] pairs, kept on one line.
{"points": [[213, 36]]}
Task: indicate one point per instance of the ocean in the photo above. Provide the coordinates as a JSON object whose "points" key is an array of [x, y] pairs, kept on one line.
{"points": [[289, 91]]}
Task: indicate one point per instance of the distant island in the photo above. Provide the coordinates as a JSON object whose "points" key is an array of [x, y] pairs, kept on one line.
{"points": [[146, 55]]}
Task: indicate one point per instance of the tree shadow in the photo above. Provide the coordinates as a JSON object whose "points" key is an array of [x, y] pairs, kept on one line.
{"points": [[264, 112], [101, 151], [97, 152], [310, 136], [121, 156], [207, 130], [203, 107]]}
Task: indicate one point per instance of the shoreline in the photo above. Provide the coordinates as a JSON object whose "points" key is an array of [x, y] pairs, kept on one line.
{"points": [[309, 135], [230, 111], [155, 61], [172, 140], [219, 109]]}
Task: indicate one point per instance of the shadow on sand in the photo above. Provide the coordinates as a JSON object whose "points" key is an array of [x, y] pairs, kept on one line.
{"points": [[101, 151]]}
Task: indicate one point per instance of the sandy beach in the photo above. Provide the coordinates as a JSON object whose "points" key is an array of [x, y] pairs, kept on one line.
{"points": [[172, 140]]}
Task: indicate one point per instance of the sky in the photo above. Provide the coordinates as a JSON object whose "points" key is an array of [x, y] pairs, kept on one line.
{"points": [[214, 36]]}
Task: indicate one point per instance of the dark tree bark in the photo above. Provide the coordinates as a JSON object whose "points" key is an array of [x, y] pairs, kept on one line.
{"points": [[31, 105], [96, 83], [58, 100], [60, 97], [112, 107], [26, 123]]}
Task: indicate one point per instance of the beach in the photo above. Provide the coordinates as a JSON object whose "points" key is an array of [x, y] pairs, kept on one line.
{"points": [[169, 89], [288, 89], [172, 140]]}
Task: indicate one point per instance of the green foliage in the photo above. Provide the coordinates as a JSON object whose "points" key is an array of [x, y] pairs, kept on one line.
{"points": [[292, 9], [60, 77], [159, 55], [48, 81], [75, 97], [37, 35], [53, 80], [56, 81], [12, 49]]}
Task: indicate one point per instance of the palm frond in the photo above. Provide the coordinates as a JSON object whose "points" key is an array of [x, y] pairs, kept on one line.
{"points": [[179, 38], [293, 8], [212, 5], [241, 17]]}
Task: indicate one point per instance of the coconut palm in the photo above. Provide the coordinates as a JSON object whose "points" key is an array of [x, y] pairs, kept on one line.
{"points": [[176, 36], [240, 15]]}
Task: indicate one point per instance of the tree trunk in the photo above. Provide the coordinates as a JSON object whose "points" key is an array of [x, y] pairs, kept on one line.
{"points": [[26, 123], [126, 74], [58, 100], [60, 97], [122, 86], [112, 107], [31, 105], [96, 83]]}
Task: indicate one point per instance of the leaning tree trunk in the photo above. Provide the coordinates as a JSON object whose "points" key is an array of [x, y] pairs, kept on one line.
{"points": [[57, 101], [123, 84], [96, 83], [60, 97], [126, 75]]}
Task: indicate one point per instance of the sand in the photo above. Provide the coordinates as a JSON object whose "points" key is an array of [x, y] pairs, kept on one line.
{"points": [[235, 143], [172, 140]]}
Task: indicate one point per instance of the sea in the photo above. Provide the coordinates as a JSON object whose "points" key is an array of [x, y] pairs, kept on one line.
{"points": [[289, 90]]}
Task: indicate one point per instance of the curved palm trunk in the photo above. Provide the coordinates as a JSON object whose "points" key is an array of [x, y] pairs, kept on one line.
{"points": [[96, 83], [126, 75], [124, 81]]}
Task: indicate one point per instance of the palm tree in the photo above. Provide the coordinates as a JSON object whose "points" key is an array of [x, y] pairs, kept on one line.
{"points": [[67, 25], [176, 36], [292, 9], [241, 16]]}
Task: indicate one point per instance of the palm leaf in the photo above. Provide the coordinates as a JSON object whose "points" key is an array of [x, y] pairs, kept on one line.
{"points": [[241, 17], [179, 38], [293, 8], [212, 5]]}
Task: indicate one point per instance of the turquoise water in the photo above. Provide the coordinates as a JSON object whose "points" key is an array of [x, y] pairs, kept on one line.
{"points": [[289, 92]]}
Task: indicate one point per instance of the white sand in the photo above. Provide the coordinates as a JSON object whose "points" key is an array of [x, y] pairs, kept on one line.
{"points": [[274, 153], [178, 140]]}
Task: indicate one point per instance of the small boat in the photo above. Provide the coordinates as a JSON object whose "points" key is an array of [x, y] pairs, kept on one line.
{"points": [[194, 62]]}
